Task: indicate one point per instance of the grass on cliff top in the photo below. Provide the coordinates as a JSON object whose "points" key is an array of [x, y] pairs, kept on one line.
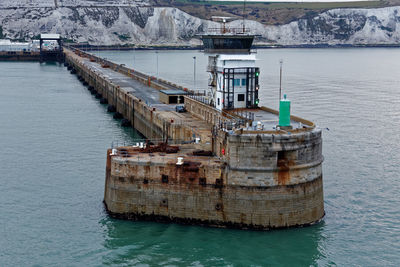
{"points": [[302, 5], [265, 12]]}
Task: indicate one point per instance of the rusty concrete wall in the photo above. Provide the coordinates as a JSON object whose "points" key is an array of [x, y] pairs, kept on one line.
{"points": [[270, 160], [163, 192]]}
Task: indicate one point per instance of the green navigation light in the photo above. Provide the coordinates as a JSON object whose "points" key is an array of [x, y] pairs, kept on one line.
{"points": [[257, 101]]}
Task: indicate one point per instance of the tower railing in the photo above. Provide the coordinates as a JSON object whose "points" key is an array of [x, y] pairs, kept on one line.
{"points": [[227, 30]]}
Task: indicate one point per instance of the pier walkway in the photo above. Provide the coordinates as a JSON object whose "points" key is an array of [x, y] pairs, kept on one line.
{"points": [[137, 97], [147, 93], [112, 84]]}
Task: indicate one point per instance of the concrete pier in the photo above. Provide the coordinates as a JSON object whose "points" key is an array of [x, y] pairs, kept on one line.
{"points": [[135, 96], [234, 175], [19, 56]]}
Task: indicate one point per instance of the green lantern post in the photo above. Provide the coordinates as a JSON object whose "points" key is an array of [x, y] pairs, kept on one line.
{"points": [[284, 112]]}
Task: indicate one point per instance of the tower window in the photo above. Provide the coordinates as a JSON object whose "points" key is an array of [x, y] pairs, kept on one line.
{"points": [[241, 97], [243, 82], [236, 82]]}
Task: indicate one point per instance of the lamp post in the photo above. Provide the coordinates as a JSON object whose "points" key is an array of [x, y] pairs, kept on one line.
{"points": [[194, 73], [134, 59], [280, 80]]}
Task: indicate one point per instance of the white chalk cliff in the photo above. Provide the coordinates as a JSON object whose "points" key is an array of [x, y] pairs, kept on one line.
{"points": [[126, 22]]}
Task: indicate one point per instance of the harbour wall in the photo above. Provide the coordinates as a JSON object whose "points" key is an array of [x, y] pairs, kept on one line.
{"points": [[149, 80], [19, 56], [151, 122], [253, 179], [264, 191], [147, 120]]}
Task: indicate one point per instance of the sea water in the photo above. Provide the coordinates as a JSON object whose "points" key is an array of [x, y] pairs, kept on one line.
{"points": [[54, 135]]}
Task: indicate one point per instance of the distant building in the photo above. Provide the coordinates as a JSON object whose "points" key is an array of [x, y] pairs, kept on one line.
{"points": [[50, 41], [9, 46]]}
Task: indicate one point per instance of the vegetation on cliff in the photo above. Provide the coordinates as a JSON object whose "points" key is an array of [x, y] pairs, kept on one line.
{"points": [[265, 12]]}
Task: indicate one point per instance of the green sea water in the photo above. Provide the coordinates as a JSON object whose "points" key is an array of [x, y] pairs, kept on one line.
{"points": [[54, 135]]}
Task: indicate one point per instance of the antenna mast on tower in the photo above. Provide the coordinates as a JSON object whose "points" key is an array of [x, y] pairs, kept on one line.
{"points": [[244, 10]]}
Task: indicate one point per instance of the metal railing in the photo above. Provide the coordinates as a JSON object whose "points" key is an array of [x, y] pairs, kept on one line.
{"points": [[202, 99], [230, 125], [164, 158], [246, 115], [231, 30], [141, 143]]}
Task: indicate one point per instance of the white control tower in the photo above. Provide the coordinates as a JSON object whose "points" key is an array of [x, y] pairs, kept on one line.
{"points": [[232, 67]]}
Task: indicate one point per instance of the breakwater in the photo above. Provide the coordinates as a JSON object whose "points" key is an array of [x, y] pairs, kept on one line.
{"points": [[142, 113], [134, 96], [226, 175]]}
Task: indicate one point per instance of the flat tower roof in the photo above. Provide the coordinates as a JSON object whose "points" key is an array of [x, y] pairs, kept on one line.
{"points": [[50, 36], [174, 92], [251, 57]]}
